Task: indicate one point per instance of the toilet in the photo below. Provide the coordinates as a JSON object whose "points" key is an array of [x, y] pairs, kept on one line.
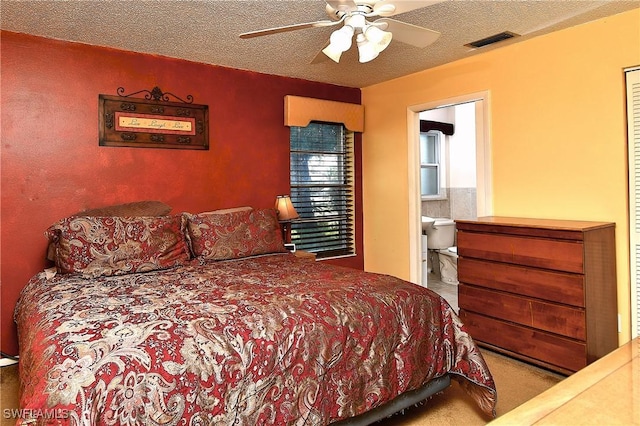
{"points": [[441, 238], [448, 265]]}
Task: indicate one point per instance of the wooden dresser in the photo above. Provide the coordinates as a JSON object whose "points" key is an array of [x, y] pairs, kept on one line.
{"points": [[540, 290]]}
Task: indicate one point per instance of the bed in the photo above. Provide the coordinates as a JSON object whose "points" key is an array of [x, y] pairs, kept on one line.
{"points": [[197, 319]]}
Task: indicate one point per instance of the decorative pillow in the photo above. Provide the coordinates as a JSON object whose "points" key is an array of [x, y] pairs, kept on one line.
{"points": [[103, 246], [135, 209], [234, 235]]}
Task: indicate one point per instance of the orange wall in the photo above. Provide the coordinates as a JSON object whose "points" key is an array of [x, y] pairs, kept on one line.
{"points": [[557, 134], [52, 165]]}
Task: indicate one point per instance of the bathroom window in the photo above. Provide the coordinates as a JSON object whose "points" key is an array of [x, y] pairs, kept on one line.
{"points": [[430, 164]]}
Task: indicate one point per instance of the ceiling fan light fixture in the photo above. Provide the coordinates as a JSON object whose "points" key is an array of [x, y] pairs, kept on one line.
{"points": [[332, 52], [340, 41], [372, 37], [366, 50], [341, 38], [379, 38]]}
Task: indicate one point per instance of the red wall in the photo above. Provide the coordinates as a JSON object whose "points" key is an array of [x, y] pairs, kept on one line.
{"points": [[52, 165]]}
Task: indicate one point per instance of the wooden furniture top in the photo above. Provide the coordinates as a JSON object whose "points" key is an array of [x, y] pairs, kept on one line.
{"points": [[605, 392], [520, 222], [305, 255], [573, 230]]}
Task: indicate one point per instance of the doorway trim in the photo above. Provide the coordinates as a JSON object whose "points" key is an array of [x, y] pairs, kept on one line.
{"points": [[484, 168]]}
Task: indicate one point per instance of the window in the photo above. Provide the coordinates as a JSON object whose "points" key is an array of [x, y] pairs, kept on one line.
{"points": [[429, 164], [322, 189]]}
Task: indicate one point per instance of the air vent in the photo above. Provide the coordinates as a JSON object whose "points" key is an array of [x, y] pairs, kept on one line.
{"points": [[492, 39]]}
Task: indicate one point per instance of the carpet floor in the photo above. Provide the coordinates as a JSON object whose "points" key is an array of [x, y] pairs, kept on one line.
{"points": [[516, 383]]}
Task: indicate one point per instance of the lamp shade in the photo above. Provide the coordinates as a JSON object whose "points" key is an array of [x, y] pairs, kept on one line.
{"points": [[340, 41], [366, 50], [332, 52], [379, 38], [341, 38], [286, 211]]}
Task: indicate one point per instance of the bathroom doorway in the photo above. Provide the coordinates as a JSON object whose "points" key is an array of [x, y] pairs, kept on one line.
{"points": [[447, 190], [460, 195]]}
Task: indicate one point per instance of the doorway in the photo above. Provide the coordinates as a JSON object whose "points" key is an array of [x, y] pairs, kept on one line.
{"points": [[484, 206]]}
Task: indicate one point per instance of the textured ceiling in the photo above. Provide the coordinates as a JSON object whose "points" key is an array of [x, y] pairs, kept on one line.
{"points": [[207, 31]]}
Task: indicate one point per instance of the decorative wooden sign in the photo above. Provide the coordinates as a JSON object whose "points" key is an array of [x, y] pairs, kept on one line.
{"points": [[152, 121]]}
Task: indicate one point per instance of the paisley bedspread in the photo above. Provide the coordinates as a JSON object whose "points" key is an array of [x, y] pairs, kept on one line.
{"points": [[261, 340]]}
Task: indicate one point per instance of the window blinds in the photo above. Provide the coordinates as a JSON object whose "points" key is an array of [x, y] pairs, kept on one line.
{"points": [[322, 188]]}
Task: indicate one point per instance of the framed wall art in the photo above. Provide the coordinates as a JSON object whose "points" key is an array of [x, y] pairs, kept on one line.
{"points": [[152, 121]]}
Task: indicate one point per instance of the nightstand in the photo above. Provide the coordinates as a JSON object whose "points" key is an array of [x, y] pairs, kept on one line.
{"points": [[305, 255]]}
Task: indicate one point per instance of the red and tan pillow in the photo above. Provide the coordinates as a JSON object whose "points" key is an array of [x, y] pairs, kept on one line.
{"points": [[233, 235], [146, 208], [103, 246]]}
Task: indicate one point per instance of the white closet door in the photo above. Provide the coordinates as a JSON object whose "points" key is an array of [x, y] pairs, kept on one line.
{"points": [[633, 119]]}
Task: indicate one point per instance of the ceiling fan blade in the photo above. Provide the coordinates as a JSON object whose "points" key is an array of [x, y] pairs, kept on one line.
{"points": [[407, 33], [395, 7], [342, 5], [286, 28]]}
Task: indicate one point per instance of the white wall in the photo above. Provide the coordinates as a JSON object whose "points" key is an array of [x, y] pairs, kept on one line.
{"points": [[462, 148]]}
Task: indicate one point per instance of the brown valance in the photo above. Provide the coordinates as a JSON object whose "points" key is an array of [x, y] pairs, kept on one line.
{"points": [[446, 128], [300, 111]]}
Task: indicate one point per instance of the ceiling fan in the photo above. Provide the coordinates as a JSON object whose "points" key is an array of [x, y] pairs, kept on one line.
{"points": [[372, 37]]}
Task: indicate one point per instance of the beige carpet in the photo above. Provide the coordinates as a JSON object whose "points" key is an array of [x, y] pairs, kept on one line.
{"points": [[516, 382]]}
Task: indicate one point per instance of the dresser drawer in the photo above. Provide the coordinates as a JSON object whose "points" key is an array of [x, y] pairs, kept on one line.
{"points": [[558, 319], [546, 347], [560, 255], [544, 284]]}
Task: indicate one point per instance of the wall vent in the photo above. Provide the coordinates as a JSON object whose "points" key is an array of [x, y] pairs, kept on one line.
{"points": [[505, 35]]}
